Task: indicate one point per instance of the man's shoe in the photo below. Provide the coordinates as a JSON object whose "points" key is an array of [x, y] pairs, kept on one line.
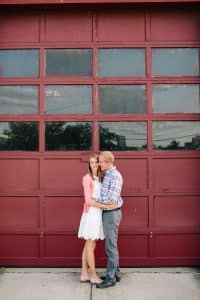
{"points": [[117, 277], [103, 278], [105, 284]]}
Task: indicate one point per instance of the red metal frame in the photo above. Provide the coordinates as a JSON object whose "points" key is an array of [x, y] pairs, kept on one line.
{"points": [[29, 2]]}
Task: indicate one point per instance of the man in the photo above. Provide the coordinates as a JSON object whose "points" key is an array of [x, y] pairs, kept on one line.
{"points": [[111, 192]]}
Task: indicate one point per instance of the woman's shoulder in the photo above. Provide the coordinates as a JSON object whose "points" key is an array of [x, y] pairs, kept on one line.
{"points": [[87, 177]]}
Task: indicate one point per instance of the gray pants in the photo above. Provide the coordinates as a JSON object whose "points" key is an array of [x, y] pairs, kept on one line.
{"points": [[111, 221]]}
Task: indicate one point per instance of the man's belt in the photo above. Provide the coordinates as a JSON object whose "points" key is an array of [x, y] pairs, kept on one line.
{"points": [[110, 210]]}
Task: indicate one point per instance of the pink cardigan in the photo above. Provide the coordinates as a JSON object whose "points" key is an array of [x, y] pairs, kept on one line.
{"points": [[88, 185]]}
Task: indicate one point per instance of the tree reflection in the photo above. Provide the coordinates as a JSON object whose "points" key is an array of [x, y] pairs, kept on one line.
{"points": [[115, 142], [19, 136], [77, 136], [175, 145], [68, 136]]}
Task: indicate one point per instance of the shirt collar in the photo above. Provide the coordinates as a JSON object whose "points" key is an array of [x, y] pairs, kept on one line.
{"points": [[110, 170]]}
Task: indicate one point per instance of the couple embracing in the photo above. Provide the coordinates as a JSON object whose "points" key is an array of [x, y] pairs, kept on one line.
{"points": [[101, 218]]}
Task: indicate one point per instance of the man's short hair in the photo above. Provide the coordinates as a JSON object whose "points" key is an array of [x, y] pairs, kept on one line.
{"points": [[108, 156]]}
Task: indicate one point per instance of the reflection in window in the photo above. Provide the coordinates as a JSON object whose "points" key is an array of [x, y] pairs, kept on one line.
{"points": [[123, 136], [122, 99], [176, 135], [68, 99], [19, 136], [121, 62], [18, 99], [174, 98], [69, 62], [68, 136], [175, 62], [19, 63]]}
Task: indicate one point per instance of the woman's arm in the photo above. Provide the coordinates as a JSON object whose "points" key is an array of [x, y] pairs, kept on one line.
{"points": [[87, 188]]}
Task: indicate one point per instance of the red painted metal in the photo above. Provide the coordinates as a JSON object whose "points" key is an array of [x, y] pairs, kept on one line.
{"points": [[41, 195], [68, 27], [60, 2], [123, 24]]}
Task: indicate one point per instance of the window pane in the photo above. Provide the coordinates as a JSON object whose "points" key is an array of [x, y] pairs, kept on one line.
{"points": [[176, 135], [18, 99], [68, 99], [69, 62], [19, 136], [175, 62], [122, 99], [68, 136], [123, 136], [19, 63], [174, 98], [121, 62]]}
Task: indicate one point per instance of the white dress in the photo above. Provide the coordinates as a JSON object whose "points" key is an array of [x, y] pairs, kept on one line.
{"points": [[91, 222]]}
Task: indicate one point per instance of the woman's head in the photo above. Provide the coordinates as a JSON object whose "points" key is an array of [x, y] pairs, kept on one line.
{"points": [[93, 165]]}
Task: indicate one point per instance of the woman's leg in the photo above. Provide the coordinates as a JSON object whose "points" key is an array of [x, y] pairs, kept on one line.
{"points": [[84, 263], [90, 247]]}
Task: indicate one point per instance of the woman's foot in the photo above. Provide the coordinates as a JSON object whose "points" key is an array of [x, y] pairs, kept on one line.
{"points": [[95, 280], [84, 278]]}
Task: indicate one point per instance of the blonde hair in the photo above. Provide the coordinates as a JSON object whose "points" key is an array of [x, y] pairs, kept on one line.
{"points": [[108, 156]]}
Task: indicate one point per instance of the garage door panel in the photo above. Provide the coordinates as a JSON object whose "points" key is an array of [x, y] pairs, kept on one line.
{"points": [[135, 213], [120, 27], [177, 245], [28, 169], [174, 26], [177, 211], [68, 27], [63, 213], [63, 175], [19, 245], [134, 172], [133, 246], [17, 27], [185, 175], [63, 246], [19, 213]]}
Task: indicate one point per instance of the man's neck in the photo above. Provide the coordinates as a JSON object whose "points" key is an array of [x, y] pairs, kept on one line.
{"points": [[108, 169]]}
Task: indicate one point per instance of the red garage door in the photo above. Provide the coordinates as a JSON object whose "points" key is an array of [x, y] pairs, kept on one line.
{"points": [[76, 82]]}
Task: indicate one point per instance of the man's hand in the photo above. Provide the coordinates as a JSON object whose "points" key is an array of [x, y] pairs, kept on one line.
{"points": [[111, 206], [106, 206]]}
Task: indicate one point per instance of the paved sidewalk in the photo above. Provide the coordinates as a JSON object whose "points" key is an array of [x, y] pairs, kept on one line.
{"points": [[136, 284]]}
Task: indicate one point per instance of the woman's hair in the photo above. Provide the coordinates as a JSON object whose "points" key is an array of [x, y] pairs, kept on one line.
{"points": [[99, 173]]}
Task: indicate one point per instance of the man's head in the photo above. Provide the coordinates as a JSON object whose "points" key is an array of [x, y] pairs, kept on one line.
{"points": [[106, 160]]}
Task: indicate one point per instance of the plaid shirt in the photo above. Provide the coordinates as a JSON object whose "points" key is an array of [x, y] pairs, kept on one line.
{"points": [[111, 187]]}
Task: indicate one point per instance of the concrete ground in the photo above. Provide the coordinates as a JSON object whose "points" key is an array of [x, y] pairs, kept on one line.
{"points": [[136, 284]]}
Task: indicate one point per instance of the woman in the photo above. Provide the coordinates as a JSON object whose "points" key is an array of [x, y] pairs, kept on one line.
{"points": [[91, 228]]}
